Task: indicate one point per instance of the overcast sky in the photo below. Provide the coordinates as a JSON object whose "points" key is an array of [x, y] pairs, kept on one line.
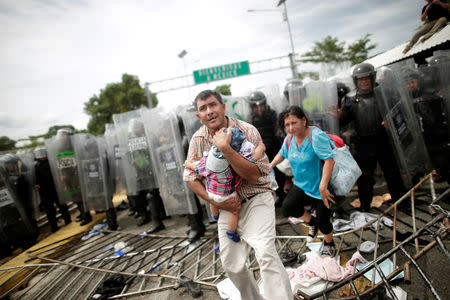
{"points": [[56, 54]]}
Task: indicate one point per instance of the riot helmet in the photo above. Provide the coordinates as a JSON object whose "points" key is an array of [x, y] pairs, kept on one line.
{"points": [[439, 57], [413, 81], [342, 89], [136, 127], [292, 84], [257, 98], [64, 132], [11, 163], [361, 71], [40, 152]]}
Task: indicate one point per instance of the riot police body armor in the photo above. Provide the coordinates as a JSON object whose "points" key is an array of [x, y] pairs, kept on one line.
{"points": [[372, 141]]}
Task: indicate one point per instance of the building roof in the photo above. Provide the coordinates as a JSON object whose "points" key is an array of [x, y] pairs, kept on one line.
{"points": [[395, 54]]}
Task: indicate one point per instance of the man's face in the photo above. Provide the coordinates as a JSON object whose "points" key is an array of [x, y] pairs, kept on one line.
{"points": [[211, 113], [412, 84], [364, 85], [259, 109]]}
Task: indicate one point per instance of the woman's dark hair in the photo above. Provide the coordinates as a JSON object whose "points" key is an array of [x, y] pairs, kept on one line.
{"points": [[293, 110]]}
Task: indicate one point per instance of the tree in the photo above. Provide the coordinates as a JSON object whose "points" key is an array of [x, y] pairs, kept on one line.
{"points": [[6, 143], [113, 99], [332, 50], [224, 89], [359, 50]]}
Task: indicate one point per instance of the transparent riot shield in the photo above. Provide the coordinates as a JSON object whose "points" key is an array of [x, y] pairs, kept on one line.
{"points": [[16, 226], [115, 163], [61, 157], [90, 153], [134, 152], [190, 121], [28, 170], [398, 114], [296, 94], [168, 156], [275, 99], [319, 99], [441, 62], [237, 107]]}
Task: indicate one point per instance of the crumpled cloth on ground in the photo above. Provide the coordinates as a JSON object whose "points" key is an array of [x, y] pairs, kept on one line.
{"points": [[359, 219], [324, 267]]}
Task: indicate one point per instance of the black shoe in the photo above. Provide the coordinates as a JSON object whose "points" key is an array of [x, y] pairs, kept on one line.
{"points": [[54, 229], [123, 206], [131, 213], [194, 235], [78, 218], [143, 220], [156, 226], [85, 221]]}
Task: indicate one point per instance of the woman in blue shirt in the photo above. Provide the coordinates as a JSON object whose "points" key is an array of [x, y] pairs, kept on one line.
{"points": [[306, 147]]}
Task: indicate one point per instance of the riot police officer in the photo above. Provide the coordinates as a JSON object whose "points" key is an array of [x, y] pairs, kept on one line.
{"points": [[47, 190], [265, 120], [372, 143], [140, 159]]}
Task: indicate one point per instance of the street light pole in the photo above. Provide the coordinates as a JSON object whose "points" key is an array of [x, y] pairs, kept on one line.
{"points": [[285, 18], [292, 55]]}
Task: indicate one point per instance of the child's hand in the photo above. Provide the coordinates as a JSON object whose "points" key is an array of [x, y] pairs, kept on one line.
{"points": [[189, 165]]}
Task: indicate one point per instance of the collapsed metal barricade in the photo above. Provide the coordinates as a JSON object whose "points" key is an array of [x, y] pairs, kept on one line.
{"points": [[152, 264]]}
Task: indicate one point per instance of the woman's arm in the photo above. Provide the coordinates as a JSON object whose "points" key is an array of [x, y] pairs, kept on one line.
{"points": [[276, 160], [323, 186]]}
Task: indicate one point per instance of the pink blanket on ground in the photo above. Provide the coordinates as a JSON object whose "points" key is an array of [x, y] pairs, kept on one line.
{"points": [[324, 267]]}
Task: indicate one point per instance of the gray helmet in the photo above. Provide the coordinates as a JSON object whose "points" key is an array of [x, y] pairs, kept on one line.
{"points": [[257, 98], [40, 152], [294, 83], [439, 57], [363, 70], [64, 131], [342, 89]]}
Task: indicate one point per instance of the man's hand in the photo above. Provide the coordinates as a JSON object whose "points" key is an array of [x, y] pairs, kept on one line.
{"points": [[222, 140], [232, 205]]}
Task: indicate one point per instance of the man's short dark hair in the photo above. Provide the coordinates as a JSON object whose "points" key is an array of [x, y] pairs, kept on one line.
{"points": [[205, 95]]}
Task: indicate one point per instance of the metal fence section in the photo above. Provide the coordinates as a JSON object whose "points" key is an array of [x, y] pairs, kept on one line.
{"points": [[148, 264]]}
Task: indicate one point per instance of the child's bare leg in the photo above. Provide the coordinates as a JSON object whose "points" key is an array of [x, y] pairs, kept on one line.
{"points": [[232, 226], [214, 212]]}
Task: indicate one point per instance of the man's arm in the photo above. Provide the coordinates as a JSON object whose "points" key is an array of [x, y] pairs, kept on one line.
{"points": [[423, 17], [246, 169], [445, 5]]}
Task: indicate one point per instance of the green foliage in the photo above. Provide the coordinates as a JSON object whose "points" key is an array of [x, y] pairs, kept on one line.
{"points": [[358, 51], [332, 50], [6, 143], [224, 89], [113, 99], [312, 75], [329, 50]]}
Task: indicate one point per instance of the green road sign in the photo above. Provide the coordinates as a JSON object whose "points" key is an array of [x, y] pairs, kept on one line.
{"points": [[221, 72]]}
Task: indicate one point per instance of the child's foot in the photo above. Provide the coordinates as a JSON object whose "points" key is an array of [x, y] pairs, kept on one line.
{"points": [[215, 218], [234, 236]]}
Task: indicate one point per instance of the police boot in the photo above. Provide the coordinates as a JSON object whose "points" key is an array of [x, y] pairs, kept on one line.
{"points": [[63, 209], [80, 209], [86, 215], [111, 219], [197, 229], [142, 212], [155, 209]]}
